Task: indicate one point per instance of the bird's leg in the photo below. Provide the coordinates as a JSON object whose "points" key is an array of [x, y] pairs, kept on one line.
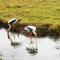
{"points": [[36, 40], [18, 35], [13, 33], [14, 37], [31, 40], [36, 43], [9, 36], [30, 34]]}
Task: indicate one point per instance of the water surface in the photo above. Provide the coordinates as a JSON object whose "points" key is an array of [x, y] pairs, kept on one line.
{"points": [[48, 49]]}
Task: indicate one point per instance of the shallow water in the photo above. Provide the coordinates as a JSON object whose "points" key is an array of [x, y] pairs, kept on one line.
{"points": [[48, 49]]}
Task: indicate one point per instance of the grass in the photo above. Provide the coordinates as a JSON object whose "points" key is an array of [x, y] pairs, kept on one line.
{"points": [[31, 11]]}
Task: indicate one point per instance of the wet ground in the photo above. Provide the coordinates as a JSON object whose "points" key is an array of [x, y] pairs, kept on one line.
{"points": [[47, 48]]}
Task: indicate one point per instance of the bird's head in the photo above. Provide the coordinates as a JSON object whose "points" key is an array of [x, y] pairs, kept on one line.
{"points": [[18, 20]]}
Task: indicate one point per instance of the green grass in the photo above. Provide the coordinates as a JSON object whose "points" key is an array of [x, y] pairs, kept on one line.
{"points": [[31, 11]]}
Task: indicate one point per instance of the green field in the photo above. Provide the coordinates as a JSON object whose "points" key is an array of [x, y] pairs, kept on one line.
{"points": [[31, 11]]}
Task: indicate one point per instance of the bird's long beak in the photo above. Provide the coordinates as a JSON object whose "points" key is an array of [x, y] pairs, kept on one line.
{"points": [[19, 20]]}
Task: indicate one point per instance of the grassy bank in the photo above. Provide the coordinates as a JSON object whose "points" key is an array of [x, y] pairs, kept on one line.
{"points": [[31, 11], [43, 30], [44, 14]]}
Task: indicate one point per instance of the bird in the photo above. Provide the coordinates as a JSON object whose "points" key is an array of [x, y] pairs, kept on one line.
{"points": [[30, 31], [10, 23]]}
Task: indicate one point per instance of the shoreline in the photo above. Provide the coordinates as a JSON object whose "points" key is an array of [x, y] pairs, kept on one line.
{"points": [[42, 30]]}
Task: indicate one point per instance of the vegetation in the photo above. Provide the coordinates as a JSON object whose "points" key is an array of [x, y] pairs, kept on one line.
{"points": [[31, 11]]}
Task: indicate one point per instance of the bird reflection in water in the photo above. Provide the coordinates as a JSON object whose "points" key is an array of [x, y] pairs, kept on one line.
{"points": [[32, 51]]}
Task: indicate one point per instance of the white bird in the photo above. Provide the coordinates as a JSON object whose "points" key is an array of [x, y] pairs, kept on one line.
{"points": [[10, 23], [30, 31]]}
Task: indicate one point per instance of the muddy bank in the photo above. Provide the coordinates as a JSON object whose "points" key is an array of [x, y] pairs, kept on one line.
{"points": [[42, 30], [48, 30]]}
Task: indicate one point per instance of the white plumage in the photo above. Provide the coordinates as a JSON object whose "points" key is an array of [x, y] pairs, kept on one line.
{"points": [[33, 28], [12, 21], [30, 31]]}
